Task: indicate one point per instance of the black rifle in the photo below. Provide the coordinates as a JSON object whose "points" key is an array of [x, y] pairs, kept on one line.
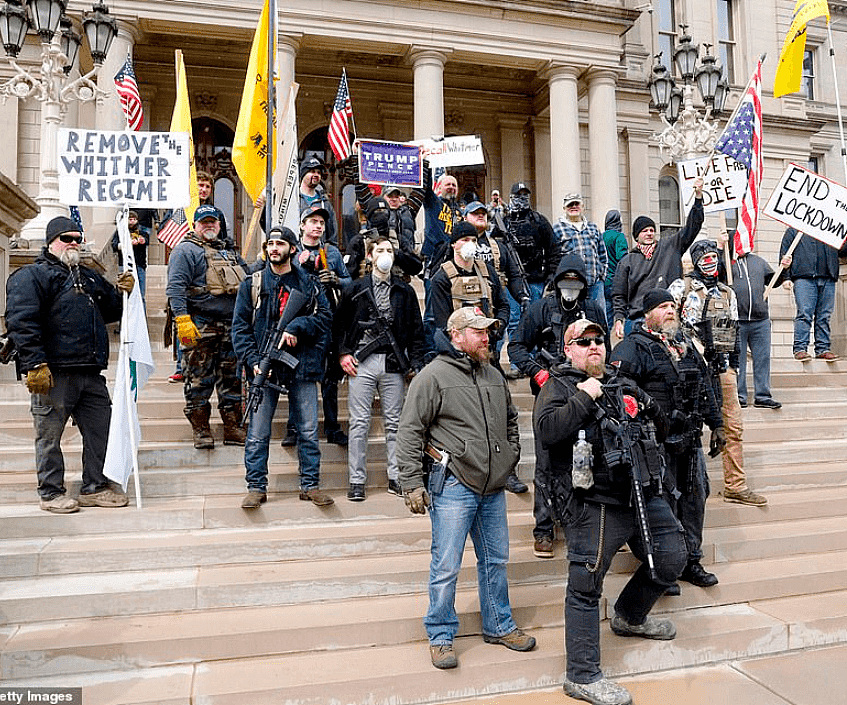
{"points": [[272, 352], [513, 253], [383, 332]]}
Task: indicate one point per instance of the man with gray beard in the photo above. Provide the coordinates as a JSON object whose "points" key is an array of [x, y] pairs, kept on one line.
{"points": [[57, 311]]}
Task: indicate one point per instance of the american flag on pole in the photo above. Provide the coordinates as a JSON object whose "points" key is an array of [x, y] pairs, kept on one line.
{"points": [[174, 228], [742, 140], [339, 125], [127, 88]]}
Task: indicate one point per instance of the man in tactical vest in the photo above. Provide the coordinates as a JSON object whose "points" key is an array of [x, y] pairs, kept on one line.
{"points": [[619, 500], [710, 315], [203, 279], [664, 363]]}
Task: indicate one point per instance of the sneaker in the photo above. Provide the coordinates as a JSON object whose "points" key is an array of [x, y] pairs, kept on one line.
{"points": [[543, 547], [767, 404], [515, 640], [290, 439], [316, 497], [356, 493], [176, 378], [742, 403], [746, 496], [338, 437], [602, 692], [254, 499], [653, 628], [514, 484], [802, 355], [443, 656], [829, 356], [104, 498], [696, 574], [60, 504], [394, 488]]}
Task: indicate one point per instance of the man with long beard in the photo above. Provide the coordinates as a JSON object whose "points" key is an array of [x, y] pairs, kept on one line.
{"points": [[57, 311]]}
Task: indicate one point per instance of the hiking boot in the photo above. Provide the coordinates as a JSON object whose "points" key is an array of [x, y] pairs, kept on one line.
{"points": [[356, 493], [337, 437], [290, 439], [60, 504], [104, 498], [802, 355], [602, 692], [767, 404], [696, 574], [742, 403], [234, 433], [515, 640], [199, 419], [443, 656], [543, 547], [514, 484], [829, 356], [254, 499], [653, 628], [394, 488], [746, 496], [316, 497]]}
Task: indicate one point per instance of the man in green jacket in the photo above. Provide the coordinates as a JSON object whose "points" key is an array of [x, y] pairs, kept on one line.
{"points": [[459, 415]]}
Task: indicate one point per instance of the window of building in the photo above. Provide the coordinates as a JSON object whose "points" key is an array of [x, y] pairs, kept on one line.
{"points": [[669, 206], [814, 164], [726, 39], [667, 32], [808, 85]]}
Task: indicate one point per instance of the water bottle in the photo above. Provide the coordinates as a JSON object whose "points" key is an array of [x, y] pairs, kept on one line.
{"points": [[581, 473]]}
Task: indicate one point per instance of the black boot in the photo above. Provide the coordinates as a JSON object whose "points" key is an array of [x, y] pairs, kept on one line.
{"points": [[696, 574]]}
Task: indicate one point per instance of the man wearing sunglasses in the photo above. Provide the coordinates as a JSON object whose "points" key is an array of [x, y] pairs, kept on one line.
{"points": [[587, 397], [57, 311]]}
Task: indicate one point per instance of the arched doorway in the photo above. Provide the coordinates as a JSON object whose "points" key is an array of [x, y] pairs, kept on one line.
{"points": [[213, 154]]}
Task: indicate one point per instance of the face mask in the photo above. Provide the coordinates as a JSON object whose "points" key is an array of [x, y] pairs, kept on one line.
{"points": [[569, 292], [384, 262], [468, 250], [709, 269], [519, 203]]}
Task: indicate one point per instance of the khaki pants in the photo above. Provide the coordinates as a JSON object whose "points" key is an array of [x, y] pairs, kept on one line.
{"points": [[733, 455]]}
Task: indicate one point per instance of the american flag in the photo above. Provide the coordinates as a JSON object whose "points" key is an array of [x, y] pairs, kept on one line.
{"points": [[127, 88], [742, 140], [76, 217], [174, 228], [339, 126]]}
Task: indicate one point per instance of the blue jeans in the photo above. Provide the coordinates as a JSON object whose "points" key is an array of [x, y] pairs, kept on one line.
{"points": [[588, 565], [455, 513], [303, 402], [514, 319], [597, 292], [757, 336], [815, 300], [610, 308], [536, 290]]}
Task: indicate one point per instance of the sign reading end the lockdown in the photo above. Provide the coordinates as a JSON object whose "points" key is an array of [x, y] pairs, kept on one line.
{"points": [[810, 203], [107, 168]]}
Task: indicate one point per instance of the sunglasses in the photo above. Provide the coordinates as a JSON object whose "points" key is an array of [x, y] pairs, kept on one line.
{"points": [[71, 238], [598, 340]]}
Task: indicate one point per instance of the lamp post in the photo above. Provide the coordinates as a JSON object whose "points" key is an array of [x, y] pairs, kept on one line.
{"points": [[687, 134], [50, 83]]}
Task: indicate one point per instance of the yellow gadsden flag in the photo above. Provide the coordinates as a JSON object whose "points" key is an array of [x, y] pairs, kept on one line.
{"points": [[181, 122], [789, 71], [251, 144]]}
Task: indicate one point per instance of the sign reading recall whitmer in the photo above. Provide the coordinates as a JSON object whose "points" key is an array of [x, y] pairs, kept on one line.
{"points": [[107, 168], [811, 204], [465, 150], [724, 182], [390, 163]]}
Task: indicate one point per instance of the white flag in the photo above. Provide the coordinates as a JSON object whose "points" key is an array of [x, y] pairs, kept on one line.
{"points": [[286, 207], [135, 365]]}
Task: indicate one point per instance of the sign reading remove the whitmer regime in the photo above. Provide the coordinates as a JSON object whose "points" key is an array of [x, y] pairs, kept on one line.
{"points": [[107, 168]]}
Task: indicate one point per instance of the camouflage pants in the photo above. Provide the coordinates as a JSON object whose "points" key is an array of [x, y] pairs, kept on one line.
{"points": [[211, 364]]}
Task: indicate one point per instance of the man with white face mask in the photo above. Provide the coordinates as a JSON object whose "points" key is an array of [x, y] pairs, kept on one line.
{"points": [[381, 344]]}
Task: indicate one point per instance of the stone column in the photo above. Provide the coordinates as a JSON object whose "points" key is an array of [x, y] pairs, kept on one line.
{"points": [[603, 144], [428, 70], [512, 152], [287, 48], [542, 196], [564, 134], [638, 158]]}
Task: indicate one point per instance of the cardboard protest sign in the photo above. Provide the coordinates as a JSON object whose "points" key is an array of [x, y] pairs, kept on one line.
{"points": [[108, 168], [810, 203], [390, 163], [724, 182], [464, 150]]}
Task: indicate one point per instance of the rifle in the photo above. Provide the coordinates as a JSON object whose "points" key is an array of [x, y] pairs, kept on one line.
{"points": [[513, 253], [272, 352], [383, 330]]}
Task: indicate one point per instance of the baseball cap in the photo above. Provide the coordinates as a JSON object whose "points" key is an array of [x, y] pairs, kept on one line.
{"points": [[573, 197], [388, 190], [474, 206], [280, 232], [206, 211], [520, 186], [470, 317], [577, 328], [314, 210]]}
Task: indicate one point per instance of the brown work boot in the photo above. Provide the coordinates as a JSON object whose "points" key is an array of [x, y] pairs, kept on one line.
{"points": [[60, 504], [254, 499], [515, 640], [316, 497], [199, 419], [443, 656], [104, 498], [234, 434]]}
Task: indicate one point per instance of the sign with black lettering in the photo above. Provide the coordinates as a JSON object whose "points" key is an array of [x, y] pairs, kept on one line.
{"points": [[810, 203], [108, 168], [724, 182], [390, 163], [459, 150]]}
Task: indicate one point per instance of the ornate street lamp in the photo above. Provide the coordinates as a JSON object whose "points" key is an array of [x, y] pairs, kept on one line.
{"points": [[100, 30], [69, 43], [13, 26], [660, 84], [45, 16]]}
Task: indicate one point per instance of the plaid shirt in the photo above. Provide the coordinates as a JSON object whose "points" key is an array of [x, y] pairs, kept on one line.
{"points": [[587, 243]]}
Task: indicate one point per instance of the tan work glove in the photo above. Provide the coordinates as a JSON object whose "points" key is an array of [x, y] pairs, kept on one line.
{"points": [[125, 282], [417, 500], [186, 331], [39, 380]]}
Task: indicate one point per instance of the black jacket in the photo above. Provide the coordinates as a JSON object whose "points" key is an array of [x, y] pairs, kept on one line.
{"points": [[750, 275], [440, 299], [811, 258], [58, 315]]}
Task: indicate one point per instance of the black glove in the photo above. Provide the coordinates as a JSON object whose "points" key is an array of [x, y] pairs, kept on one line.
{"points": [[327, 276], [717, 442]]}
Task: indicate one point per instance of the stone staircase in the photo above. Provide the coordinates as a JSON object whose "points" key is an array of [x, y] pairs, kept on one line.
{"points": [[192, 600]]}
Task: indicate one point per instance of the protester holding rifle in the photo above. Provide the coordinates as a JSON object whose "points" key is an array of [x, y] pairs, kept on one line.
{"points": [[380, 342], [590, 419], [282, 291]]}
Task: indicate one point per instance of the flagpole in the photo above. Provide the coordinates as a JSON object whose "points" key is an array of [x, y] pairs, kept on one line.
{"points": [[352, 116], [837, 101], [269, 164]]}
